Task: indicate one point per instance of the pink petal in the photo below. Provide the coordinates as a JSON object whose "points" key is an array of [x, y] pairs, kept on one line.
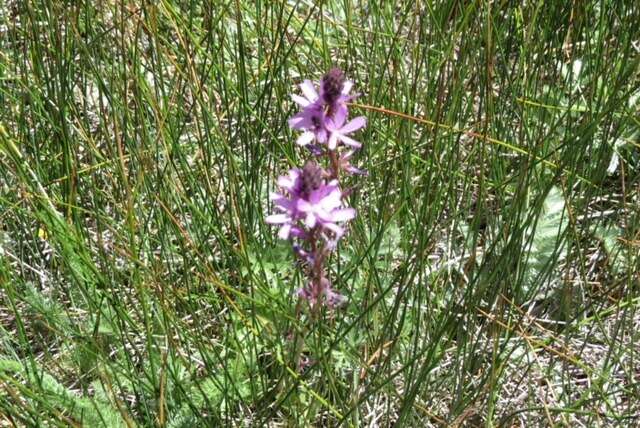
{"points": [[305, 138], [308, 90], [321, 136], [356, 171], [343, 214], [334, 299], [273, 196], [284, 204], [283, 233], [354, 125], [277, 219], [325, 193], [310, 221], [320, 193], [350, 141], [298, 233], [334, 228], [294, 122], [286, 182], [333, 141], [304, 206], [339, 117], [346, 156], [347, 87], [301, 101], [332, 200]]}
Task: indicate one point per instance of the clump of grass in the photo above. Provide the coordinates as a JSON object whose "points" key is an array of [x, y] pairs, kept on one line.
{"points": [[491, 273]]}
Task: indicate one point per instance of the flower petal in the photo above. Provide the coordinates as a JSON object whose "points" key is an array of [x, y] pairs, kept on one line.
{"points": [[285, 204], [350, 141], [296, 122], [305, 138], [321, 135], [355, 171], [339, 117], [326, 196], [346, 156], [304, 206], [286, 181], [342, 214], [332, 201], [301, 101], [298, 232], [346, 88], [333, 298], [333, 141], [354, 125], [284, 231], [308, 90], [273, 196], [335, 229], [277, 219], [311, 219]]}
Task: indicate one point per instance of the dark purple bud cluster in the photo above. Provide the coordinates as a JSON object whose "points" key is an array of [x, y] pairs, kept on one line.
{"points": [[331, 86], [311, 178]]}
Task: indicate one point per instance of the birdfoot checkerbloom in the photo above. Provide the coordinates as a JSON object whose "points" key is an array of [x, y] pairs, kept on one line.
{"points": [[310, 208]]}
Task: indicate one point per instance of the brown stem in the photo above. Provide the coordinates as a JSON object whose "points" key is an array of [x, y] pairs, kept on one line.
{"points": [[335, 164]]}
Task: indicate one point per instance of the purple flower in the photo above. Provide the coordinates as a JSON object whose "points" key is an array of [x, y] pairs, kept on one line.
{"points": [[311, 120], [309, 199], [287, 205], [339, 130], [323, 115], [323, 208]]}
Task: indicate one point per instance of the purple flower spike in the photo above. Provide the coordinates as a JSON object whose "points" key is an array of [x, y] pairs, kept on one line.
{"points": [[310, 205]]}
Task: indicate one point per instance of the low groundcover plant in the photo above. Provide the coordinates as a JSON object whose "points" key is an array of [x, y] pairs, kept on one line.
{"points": [[311, 206]]}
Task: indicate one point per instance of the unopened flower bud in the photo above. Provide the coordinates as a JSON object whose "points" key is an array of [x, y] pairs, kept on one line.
{"points": [[332, 84], [311, 178]]}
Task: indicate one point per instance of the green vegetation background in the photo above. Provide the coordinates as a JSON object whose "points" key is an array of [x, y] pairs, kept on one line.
{"points": [[491, 273]]}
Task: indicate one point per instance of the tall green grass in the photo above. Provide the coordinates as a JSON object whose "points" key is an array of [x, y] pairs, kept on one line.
{"points": [[492, 271]]}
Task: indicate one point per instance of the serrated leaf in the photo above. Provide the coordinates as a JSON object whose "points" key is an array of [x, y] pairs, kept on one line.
{"points": [[546, 239], [91, 412]]}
